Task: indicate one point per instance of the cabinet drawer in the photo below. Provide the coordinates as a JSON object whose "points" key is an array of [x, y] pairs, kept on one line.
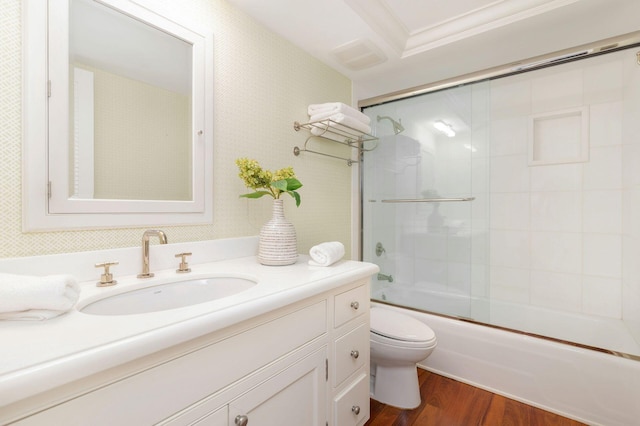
{"points": [[351, 352], [351, 407], [351, 304]]}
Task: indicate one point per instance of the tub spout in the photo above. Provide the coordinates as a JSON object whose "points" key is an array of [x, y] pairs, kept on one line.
{"points": [[383, 277]]}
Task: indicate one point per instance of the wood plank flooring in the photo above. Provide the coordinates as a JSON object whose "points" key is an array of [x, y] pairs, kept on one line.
{"points": [[447, 402]]}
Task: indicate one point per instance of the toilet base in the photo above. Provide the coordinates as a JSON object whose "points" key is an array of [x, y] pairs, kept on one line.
{"points": [[397, 386]]}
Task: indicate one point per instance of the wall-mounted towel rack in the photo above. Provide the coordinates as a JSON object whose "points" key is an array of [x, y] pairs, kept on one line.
{"points": [[335, 132]]}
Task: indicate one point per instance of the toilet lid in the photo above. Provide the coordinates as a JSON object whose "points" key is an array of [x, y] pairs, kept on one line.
{"points": [[398, 326]]}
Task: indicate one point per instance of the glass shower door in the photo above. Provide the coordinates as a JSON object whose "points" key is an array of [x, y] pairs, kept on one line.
{"points": [[422, 196]]}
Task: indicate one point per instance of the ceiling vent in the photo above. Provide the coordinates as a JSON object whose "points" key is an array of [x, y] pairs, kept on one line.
{"points": [[359, 54]]}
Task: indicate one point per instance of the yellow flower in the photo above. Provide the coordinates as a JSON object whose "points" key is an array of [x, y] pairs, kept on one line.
{"points": [[271, 183]]}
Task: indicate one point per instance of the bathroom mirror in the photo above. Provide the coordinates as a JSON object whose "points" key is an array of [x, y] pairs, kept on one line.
{"points": [[118, 117]]}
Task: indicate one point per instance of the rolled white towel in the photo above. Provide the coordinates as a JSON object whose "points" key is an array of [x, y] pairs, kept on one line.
{"points": [[29, 297], [337, 119], [326, 254], [331, 108]]}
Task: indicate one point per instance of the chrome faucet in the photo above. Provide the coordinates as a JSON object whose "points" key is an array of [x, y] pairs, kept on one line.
{"points": [[145, 250]]}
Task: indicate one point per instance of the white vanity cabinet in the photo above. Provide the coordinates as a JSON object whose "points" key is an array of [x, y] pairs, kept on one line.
{"points": [[306, 363]]}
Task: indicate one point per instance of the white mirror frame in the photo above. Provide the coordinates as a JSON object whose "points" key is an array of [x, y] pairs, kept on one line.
{"points": [[37, 90]]}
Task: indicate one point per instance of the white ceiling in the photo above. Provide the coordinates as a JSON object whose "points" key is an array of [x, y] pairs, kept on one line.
{"points": [[399, 44]]}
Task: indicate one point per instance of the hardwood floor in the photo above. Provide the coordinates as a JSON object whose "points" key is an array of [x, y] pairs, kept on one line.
{"points": [[447, 402]]}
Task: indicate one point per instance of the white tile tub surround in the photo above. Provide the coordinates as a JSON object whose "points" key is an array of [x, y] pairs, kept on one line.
{"points": [[602, 211], [570, 224]]}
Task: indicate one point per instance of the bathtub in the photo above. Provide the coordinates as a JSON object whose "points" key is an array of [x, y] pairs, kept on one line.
{"points": [[583, 384], [586, 330]]}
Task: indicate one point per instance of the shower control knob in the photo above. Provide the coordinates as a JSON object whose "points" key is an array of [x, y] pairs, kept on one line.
{"points": [[241, 420], [355, 354], [355, 305], [355, 410]]}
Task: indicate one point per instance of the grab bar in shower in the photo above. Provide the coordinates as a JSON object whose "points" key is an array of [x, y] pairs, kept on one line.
{"points": [[428, 200]]}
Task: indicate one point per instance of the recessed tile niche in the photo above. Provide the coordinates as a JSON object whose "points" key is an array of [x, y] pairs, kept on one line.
{"points": [[559, 137]]}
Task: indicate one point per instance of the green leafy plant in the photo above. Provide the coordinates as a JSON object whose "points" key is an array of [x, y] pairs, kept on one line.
{"points": [[265, 182]]}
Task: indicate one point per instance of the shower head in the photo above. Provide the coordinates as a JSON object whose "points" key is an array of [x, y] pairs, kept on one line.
{"points": [[397, 126]]}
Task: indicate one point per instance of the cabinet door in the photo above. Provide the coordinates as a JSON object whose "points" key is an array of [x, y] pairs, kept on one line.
{"points": [[295, 396]]}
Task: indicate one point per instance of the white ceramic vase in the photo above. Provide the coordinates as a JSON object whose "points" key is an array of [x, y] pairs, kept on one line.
{"points": [[278, 243]]}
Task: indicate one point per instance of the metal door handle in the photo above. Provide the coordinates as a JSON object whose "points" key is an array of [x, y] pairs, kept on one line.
{"points": [[355, 354], [241, 420], [355, 410], [355, 305]]}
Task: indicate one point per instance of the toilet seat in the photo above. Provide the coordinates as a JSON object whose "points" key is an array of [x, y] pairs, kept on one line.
{"points": [[378, 339], [397, 329]]}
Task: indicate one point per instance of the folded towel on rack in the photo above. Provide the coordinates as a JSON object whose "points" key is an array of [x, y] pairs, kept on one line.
{"points": [[335, 108], [25, 297], [319, 126], [326, 254]]}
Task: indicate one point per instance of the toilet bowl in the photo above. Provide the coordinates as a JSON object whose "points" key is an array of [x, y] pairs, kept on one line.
{"points": [[398, 343]]}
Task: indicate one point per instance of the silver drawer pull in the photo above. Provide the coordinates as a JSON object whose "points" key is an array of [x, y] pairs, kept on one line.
{"points": [[355, 354], [241, 420], [355, 410], [355, 305]]}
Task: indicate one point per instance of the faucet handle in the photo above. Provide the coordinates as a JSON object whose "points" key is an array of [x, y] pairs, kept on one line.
{"points": [[184, 266], [106, 279]]}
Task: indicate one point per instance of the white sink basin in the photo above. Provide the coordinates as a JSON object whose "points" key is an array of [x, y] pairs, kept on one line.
{"points": [[168, 296]]}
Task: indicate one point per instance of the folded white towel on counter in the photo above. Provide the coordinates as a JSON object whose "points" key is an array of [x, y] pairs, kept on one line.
{"points": [[326, 254], [28, 297], [336, 120], [335, 108]]}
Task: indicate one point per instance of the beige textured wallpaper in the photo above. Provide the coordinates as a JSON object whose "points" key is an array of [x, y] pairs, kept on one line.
{"points": [[262, 85]]}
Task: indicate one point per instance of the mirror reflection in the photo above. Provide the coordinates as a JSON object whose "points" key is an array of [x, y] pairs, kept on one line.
{"points": [[130, 117]]}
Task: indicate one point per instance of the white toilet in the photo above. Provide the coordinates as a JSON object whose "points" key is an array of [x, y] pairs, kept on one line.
{"points": [[398, 342]]}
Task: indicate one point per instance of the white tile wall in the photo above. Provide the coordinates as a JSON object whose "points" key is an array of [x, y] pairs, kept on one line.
{"points": [[556, 90], [509, 136], [567, 236], [602, 296], [602, 211], [509, 211], [556, 211], [510, 284], [510, 248], [556, 251], [557, 177], [509, 174], [603, 80], [606, 124], [604, 169], [602, 255]]}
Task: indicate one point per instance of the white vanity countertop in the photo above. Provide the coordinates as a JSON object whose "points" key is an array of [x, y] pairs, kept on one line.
{"points": [[40, 355]]}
